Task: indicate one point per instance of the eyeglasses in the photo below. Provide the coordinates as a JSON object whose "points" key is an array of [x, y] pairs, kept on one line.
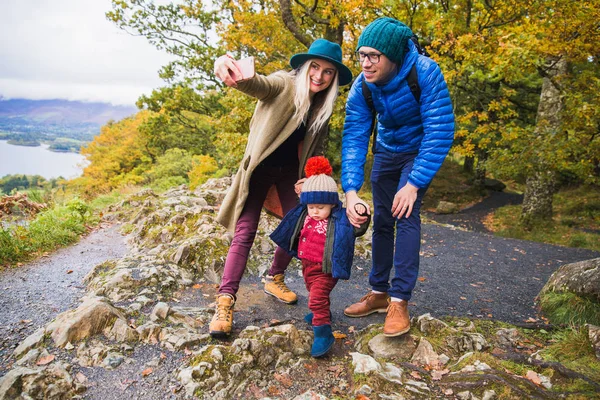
{"points": [[373, 57]]}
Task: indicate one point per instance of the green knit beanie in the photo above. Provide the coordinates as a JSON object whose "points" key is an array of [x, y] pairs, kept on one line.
{"points": [[388, 35]]}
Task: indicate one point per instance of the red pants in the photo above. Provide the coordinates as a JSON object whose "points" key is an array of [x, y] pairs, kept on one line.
{"points": [[319, 285]]}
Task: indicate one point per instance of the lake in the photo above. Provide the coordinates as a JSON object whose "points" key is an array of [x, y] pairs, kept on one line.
{"points": [[39, 161]]}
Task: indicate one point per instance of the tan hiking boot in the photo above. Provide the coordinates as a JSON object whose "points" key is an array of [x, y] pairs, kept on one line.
{"points": [[275, 286], [397, 321], [220, 325], [369, 304]]}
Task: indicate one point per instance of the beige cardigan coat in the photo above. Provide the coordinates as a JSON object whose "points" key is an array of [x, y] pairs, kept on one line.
{"points": [[271, 125]]}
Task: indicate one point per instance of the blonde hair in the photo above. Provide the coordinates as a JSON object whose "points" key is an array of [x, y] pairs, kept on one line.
{"points": [[322, 102]]}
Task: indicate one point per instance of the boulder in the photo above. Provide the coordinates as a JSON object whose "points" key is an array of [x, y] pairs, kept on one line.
{"points": [[90, 318], [446, 207], [581, 278]]}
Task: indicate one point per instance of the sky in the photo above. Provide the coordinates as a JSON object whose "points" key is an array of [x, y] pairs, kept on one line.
{"points": [[67, 49]]}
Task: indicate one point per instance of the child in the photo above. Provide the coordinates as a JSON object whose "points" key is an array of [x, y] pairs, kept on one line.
{"points": [[318, 232]]}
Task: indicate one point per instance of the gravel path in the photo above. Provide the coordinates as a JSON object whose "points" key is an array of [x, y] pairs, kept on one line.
{"points": [[32, 295]]}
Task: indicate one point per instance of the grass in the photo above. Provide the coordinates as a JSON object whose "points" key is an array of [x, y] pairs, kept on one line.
{"points": [[572, 348], [576, 221], [570, 309], [60, 225]]}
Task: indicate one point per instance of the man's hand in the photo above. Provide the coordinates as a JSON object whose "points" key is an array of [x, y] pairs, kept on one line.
{"points": [[226, 70], [298, 186], [352, 200], [404, 201]]}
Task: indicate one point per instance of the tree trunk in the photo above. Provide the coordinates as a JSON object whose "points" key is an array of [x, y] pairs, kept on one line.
{"points": [[469, 164], [541, 181]]}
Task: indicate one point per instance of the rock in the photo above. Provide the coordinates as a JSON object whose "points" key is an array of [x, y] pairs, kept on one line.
{"points": [[113, 360], [90, 318], [364, 364], [364, 390], [446, 207], [424, 354], [121, 332], [30, 358], [594, 335], [399, 347], [50, 382], [581, 278], [494, 184], [30, 342], [507, 337], [467, 342], [428, 325], [310, 395], [489, 395], [160, 311], [149, 332]]}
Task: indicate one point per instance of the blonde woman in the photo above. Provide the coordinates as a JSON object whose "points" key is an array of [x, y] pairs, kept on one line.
{"points": [[289, 125]]}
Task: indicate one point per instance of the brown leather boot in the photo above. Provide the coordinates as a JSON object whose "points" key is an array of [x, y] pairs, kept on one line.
{"points": [[220, 325], [276, 287], [369, 304], [397, 321]]}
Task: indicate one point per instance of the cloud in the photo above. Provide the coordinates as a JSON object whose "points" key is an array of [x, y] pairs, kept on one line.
{"points": [[68, 49]]}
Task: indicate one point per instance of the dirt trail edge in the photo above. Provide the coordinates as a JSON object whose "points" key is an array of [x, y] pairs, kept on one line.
{"points": [[33, 294]]}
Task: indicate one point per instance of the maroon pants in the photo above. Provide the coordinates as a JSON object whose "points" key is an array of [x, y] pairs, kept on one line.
{"points": [[261, 181], [319, 286]]}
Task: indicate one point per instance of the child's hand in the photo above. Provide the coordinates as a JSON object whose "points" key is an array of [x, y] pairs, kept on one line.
{"points": [[361, 209]]}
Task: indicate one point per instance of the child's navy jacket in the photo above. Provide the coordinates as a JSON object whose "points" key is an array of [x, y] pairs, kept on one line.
{"points": [[339, 242]]}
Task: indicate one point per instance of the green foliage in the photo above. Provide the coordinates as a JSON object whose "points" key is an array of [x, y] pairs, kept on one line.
{"points": [[170, 168], [50, 229], [78, 206], [570, 309]]}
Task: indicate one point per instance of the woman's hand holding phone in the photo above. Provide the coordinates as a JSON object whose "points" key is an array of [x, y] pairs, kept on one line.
{"points": [[231, 71]]}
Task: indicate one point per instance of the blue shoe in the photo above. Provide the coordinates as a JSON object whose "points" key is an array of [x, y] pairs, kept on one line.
{"points": [[323, 340], [309, 317]]}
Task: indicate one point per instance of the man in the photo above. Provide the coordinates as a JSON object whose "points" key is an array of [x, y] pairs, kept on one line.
{"points": [[413, 138]]}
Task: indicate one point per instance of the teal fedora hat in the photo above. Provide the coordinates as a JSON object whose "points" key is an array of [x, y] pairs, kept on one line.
{"points": [[325, 50]]}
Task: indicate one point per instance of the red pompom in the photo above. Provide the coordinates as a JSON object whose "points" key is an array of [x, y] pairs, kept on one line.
{"points": [[317, 165]]}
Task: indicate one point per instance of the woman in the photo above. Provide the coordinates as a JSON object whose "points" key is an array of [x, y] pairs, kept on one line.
{"points": [[289, 126]]}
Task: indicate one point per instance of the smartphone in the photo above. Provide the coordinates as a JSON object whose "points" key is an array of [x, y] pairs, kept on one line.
{"points": [[246, 67]]}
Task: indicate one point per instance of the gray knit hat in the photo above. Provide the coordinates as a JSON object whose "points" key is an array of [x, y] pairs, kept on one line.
{"points": [[319, 187], [388, 35]]}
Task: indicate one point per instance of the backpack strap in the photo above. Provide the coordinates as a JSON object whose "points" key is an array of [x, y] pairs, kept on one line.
{"points": [[413, 83], [369, 99]]}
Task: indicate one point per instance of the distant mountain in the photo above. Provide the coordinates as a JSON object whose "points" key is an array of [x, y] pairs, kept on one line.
{"points": [[63, 111]]}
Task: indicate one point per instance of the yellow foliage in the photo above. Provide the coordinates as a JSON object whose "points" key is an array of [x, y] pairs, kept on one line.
{"points": [[113, 155], [203, 167]]}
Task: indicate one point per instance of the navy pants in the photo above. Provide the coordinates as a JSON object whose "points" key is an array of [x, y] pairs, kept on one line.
{"points": [[389, 174]]}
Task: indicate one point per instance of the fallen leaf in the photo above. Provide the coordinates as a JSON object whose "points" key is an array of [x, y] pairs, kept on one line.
{"points": [[147, 372], [25, 321], [339, 335], [273, 391], [81, 378], [351, 329], [284, 379], [70, 271], [196, 286], [422, 279], [415, 375], [362, 397], [533, 377], [463, 298], [531, 320], [437, 375], [46, 360], [163, 356]]}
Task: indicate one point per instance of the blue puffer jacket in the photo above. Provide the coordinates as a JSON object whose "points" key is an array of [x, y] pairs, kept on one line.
{"points": [[339, 244], [404, 125]]}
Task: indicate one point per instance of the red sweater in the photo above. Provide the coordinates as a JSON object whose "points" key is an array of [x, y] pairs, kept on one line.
{"points": [[312, 240]]}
